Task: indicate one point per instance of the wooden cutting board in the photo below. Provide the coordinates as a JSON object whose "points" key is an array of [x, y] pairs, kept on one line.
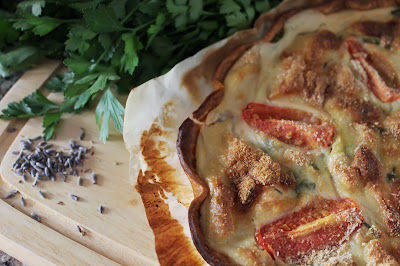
{"points": [[121, 235]]}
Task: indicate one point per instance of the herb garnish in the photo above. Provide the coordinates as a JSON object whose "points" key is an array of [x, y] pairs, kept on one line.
{"points": [[392, 175], [396, 12], [304, 185], [109, 45]]}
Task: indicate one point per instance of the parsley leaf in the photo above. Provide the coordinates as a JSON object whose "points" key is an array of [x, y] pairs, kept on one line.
{"points": [[77, 64], [97, 86], [130, 59], [101, 20], [78, 39], [39, 25], [50, 122], [55, 84], [35, 104], [155, 28], [109, 106]]}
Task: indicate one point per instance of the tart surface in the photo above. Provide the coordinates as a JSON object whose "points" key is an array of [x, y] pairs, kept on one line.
{"points": [[294, 158]]}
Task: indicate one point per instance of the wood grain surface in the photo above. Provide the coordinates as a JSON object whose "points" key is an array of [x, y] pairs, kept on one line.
{"points": [[120, 235]]}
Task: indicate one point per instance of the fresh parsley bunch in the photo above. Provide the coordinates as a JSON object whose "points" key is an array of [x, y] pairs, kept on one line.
{"points": [[108, 45]]}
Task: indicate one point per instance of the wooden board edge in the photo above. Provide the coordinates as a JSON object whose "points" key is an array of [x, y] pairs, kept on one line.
{"points": [[30, 81], [41, 253]]}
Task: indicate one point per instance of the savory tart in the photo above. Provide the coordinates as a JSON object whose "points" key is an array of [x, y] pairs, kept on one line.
{"points": [[295, 156]]}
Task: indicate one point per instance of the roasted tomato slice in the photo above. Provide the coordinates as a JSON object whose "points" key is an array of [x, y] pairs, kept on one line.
{"points": [[321, 224], [292, 126], [382, 78]]}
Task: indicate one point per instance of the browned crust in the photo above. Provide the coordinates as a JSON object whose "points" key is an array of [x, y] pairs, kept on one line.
{"points": [[227, 63], [212, 101], [186, 146], [189, 130], [223, 68], [369, 166], [362, 5]]}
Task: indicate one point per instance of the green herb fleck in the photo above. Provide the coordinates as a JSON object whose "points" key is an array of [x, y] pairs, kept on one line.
{"points": [[278, 36], [396, 12], [372, 40], [367, 225], [277, 190], [392, 175], [315, 166], [304, 185]]}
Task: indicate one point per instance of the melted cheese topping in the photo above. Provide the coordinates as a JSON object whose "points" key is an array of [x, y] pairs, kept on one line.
{"points": [[338, 171]]}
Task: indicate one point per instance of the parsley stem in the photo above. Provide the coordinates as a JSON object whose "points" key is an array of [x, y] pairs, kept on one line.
{"points": [[208, 13], [148, 23], [133, 10]]}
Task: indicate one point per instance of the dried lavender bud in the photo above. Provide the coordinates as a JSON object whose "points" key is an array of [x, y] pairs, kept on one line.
{"points": [[15, 165], [50, 151], [71, 144], [94, 178], [74, 197], [10, 194], [26, 158], [22, 201], [34, 183], [82, 135], [24, 177], [15, 152], [41, 165], [75, 172], [46, 172], [36, 138], [79, 181], [19, 172], [48, 146], [41, 194], [35, 216], [42, 143], [101, 209]]}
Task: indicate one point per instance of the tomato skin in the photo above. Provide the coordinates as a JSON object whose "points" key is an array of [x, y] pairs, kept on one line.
{"points": [[375, 83], [321, 224], [292, 126]]}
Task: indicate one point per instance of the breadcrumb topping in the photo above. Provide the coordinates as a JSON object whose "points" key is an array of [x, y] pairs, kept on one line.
{"points": [[392, 123], [247, 167], [367, 136], [377, 254], [330, 256], [368, 164], [297, 157], [346, 173]]}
